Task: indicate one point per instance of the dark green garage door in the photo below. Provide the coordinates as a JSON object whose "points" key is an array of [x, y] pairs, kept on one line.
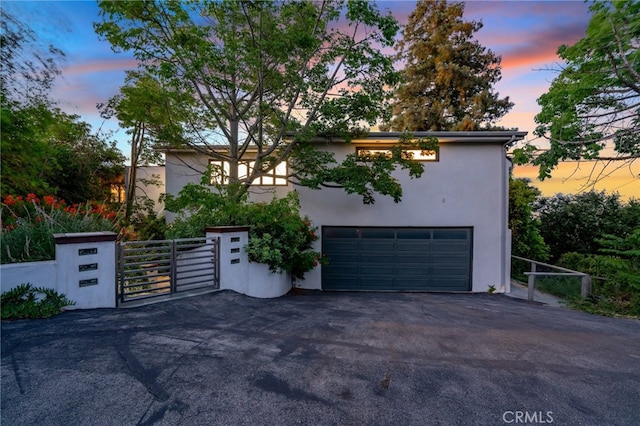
{"points": [[401, 259]]}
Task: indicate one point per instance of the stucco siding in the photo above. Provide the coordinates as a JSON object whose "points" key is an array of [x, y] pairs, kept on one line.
{"points": [[465, 188]]}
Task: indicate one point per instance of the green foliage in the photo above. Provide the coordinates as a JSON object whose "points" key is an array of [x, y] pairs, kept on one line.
{"points": [[525, 229], [145, 224], [448, 77], [526, 239], [361, 173], [28, 65], [28, 225], [279, 236], [25, 301], [247, 74], [44, 150], [575, 223], [592, 109], [616, 287]]}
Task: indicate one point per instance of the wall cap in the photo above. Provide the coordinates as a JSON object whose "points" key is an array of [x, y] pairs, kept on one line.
{"points": [[226, 229], [84, 237]]}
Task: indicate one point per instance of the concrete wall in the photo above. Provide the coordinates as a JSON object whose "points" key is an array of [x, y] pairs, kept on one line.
{"points": [[467, 187], [146, 185], [38, 274], [84, 270], [237, 273]]}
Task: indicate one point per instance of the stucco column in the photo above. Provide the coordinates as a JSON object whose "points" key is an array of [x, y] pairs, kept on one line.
{"points": [[86, 271], [234, 261]]}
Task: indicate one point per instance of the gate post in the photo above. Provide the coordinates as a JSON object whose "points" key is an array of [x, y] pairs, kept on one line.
{"points": [[87, 268], [531, 282], [233, 260], [585, 291]]}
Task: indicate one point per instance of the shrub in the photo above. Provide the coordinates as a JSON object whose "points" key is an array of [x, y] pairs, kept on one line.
{"points": [[616, 287], [25, 301], [279, 236], [28, 225]]}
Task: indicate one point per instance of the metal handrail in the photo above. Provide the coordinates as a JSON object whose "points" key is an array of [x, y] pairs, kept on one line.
{"points": [[531, 276]]}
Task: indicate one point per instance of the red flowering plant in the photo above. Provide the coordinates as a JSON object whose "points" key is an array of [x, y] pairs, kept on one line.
{"points": [[28, 224]]}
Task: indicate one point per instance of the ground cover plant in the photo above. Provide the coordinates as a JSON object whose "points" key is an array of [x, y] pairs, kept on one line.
{"points": [[26, 301]]}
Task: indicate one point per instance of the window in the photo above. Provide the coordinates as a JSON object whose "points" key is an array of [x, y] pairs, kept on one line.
{"points": [[220, 173], [415, 154]]}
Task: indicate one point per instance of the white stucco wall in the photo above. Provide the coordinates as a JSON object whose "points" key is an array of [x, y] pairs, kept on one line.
{"points": [[38, 274], [146, 185], [464, 189], [467, 187]]}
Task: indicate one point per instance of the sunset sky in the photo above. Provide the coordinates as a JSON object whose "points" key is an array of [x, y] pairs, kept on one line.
{"points": [[526, 34]]}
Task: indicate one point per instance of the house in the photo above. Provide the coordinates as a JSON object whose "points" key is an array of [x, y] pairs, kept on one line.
{"points": [[150, 181], [449, 232]]}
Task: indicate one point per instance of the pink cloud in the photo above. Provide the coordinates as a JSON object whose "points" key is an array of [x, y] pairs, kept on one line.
{"points": [[100, 66]]}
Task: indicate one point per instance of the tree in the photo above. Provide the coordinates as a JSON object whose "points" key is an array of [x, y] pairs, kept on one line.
{"points": [[592, 108], [48, 152], [575, 223], [27, 67], [448, 76], [525, 229], [262, 79], [144, 107], [44, 150]]}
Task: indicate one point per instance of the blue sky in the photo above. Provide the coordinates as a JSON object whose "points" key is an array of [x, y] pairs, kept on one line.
{"points": [[525, 33]]}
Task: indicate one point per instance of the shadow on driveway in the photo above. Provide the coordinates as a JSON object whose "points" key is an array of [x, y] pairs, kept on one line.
{"points": [[323, 358]]}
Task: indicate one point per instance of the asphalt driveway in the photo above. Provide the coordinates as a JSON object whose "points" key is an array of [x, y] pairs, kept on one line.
{"points": [[323, 358]]}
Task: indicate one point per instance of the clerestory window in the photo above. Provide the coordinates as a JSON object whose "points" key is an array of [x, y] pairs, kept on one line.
{"points": [[414, 154], [274, 177]]}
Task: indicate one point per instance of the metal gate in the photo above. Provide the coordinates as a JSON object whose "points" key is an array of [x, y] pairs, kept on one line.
{"points": [[160, 268]]}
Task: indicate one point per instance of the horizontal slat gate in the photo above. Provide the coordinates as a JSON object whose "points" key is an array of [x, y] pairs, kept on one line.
{"points": [[157, 268]]}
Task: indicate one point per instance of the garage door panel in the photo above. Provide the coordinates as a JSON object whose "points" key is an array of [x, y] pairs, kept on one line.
{"points": [[375, 270], [386, 258], [377, 258], [378, 233], [413, 245], [377, 245], [342, 245], [420, 258], [446, 258], [438, 270], [450, 246], [451, 234], [413, 234], [413, 270], [376, 283], [348, 257]]}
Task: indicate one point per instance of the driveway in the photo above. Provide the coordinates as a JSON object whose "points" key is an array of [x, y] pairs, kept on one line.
{"points": [[323, 358]]}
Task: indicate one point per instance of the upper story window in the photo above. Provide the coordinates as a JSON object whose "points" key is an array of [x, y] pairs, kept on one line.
{"points": [[414, 154], [275, 177]]}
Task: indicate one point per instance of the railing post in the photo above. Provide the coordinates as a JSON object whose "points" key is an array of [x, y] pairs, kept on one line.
{"points": [[531, 282], [173, 272], [120, 261], [586, 286], [216, 247]]}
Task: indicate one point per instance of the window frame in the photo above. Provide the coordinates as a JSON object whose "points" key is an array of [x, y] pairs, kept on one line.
{"points": [[274, 176], [382, 150]]}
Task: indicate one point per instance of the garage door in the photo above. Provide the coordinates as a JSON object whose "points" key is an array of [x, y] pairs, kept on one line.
{"points": [[400, 259]]}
